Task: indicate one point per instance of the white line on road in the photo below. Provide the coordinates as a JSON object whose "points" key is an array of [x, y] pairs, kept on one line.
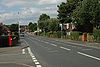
{"points": [[65, 48], [23, 51], [46, 42], [89, 56], [33, 57], [38, 65], [54, 45]]}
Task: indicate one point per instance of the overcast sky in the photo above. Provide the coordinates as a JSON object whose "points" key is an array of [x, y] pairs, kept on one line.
{"points": [[29, 10]]}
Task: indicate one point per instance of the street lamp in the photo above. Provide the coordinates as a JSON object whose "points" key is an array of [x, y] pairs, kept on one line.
{"points": [[19, 25]]}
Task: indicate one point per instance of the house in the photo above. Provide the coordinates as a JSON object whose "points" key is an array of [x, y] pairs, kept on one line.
{"points": [[68, 27]]}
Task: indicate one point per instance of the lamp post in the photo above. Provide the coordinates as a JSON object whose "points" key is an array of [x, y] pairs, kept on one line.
{"points": [[19, 25]]}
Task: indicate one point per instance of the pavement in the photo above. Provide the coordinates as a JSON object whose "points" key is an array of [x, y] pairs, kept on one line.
{"points": [[16, 56], [51, 52], [86, 44]]}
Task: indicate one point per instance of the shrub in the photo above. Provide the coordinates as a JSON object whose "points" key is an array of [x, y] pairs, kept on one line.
{"points": [[55, 34], [59, 34], [75, 35], [48, 34], [96, 34], [4, 41]]}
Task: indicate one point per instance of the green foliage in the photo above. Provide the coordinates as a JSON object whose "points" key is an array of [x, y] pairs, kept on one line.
{"points": [[55, 35], [65, 10], [87, 15], [59, 34], [48, 34], [1, 30], [14, 28], [75, 35], [4, 37], [41, 21], [4, 41], [30, 23], [33, 27], [53, 24], [96, 34]]}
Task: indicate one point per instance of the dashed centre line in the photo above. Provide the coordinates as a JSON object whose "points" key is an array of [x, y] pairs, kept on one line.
{"points": [[46, 42], [54, 45], [65, 48], [88, 56]]}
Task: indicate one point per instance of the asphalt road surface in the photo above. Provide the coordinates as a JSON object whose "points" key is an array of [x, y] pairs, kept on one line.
{"points": [[47, 52]]}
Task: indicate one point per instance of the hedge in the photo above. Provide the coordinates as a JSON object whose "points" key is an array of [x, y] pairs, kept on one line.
{"points": [[59, 34], [4, 40], [48, 34], [96, 34], [75, 35], [55, 35]]}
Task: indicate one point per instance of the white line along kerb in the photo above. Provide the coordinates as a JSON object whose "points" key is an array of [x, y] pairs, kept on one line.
{"points": [[89, 56], [33, 57]]}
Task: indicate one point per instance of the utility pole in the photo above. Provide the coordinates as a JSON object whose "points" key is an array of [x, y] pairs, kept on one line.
{"points": [[19, 25], [61, 31], [37, 29]]}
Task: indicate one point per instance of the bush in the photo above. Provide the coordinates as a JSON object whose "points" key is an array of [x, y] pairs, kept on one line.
{"points": [[96, 34], [59, 34], [75, 35], [4, 41], [55, 35], [48, 34]]}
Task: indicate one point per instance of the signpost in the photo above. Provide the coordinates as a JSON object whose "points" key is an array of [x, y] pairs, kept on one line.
{"points": [[61, 30]]}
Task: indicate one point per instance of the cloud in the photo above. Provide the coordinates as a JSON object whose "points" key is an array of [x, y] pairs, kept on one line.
{"points": [[29, 10], [12, 3]]}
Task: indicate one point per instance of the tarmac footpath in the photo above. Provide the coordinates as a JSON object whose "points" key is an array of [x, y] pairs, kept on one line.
{"points": [[16, 56]]}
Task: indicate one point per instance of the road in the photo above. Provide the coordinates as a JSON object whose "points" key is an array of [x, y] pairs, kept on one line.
{"points": [[47, 52]]}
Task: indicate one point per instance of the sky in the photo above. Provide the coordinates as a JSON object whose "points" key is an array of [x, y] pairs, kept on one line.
{"points": [[29, 10]]}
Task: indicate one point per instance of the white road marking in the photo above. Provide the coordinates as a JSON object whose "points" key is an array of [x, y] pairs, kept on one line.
{"points": [[89, 56], [38, 65], [54, 45], [33, 57], [65, 48], [35, 60], [46, 42], [23, 51]]}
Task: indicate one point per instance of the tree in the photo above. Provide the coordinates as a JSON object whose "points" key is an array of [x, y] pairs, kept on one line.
{"points": [[1, 30], [53, 24], [41, 21], [14, 28], [87, 15], [65, 10], [33, 27], [30, 23]]}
